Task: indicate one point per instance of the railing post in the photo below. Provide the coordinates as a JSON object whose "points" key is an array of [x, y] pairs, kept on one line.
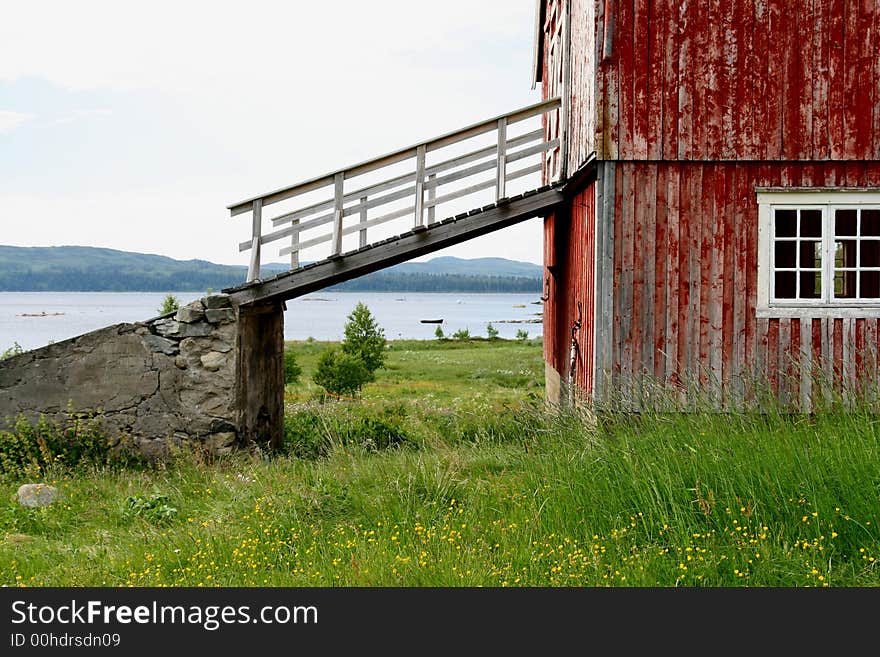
{"points": [[362, 240], [432, 195], [336, 242], [420, 187], [294, 245], [501, 168], [256, 228]]}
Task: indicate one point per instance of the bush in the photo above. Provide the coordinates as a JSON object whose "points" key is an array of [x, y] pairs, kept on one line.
{"points": [[29, 450], [154, 509], [364, 339], [340, 373], [169, 305], [491, 331], [292, 369], [462, 334], [14, 350], [522, 335], [438, 333]]}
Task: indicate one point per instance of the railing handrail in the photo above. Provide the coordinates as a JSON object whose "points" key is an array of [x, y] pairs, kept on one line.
{"points": [[398, 155]]}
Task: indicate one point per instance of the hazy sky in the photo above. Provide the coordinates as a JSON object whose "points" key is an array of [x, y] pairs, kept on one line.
{"points": [[133, 125]]}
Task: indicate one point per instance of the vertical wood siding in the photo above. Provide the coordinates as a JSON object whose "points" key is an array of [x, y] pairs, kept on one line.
{"points": [[726, 79], [569, 248], [685, 292]]}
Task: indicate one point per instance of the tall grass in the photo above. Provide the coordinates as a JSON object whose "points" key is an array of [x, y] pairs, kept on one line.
{"points": [[393, 492]]}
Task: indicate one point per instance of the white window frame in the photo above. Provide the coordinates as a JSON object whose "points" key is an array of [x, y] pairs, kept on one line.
{"points": [[827, 200]]}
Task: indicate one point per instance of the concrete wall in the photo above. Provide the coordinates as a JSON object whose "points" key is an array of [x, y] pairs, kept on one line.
{"points": [[161, 382]]}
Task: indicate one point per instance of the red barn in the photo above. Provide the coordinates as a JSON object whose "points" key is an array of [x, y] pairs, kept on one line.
{"points": [[721, 234]]}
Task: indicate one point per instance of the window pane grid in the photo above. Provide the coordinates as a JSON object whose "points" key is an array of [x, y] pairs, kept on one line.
{"points": [[797, 258]]}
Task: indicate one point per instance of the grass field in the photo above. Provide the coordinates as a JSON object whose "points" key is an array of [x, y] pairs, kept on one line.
{"points": [[449, 472]]}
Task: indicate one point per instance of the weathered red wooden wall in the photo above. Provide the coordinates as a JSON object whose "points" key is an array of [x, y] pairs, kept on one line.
{"points": [[569, 249], [686, 284], [737, 79]]}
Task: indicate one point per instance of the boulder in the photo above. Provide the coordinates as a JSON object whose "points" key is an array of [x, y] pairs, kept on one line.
{"points": [[193, 312], [215, 301], [220, 315], [213, 360], [34, 495]]}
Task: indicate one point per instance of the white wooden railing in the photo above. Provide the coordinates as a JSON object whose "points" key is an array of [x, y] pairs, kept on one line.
{"points": [[406, 185]]}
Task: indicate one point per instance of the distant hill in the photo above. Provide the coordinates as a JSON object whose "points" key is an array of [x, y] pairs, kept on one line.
{"points": [[91, 269]]}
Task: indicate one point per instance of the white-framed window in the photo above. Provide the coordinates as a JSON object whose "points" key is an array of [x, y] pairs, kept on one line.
{"points": [[818, 252]]}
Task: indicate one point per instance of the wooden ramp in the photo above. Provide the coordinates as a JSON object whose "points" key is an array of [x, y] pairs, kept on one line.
{"points": [[484, 177]]}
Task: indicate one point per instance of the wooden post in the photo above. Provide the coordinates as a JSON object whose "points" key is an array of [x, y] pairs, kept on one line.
{"points": [[432, 194], [259, 391], [294, 246], [420, 187], [501, 167], [256, 228], [336, 243], [362, 240]]}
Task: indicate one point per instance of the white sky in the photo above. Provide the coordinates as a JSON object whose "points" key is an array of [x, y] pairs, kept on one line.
{"points": [[133, 125]]}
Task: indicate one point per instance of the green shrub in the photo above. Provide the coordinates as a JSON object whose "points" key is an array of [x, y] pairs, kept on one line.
{"points": [[154, 509], [170, 304], [292, 369], [80, 440], [14, 350], [311, 434], [340, 373], [491, 331], [522, 335], [364, 339], [438, 333], [462, 334]]}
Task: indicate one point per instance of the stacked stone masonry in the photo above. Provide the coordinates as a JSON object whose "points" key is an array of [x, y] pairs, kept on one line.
{"points": [[160, 383]]}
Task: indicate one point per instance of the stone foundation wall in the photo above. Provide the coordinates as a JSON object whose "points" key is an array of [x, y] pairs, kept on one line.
{"points": [[160, 382]]}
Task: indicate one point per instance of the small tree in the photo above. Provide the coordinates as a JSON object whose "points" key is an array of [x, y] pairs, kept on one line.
{"points": [[292, 369], [14, 350], [491, 331], [462, 334], [364, 339], [438, 333], [340, 373], [169, 304], [522, 335]]}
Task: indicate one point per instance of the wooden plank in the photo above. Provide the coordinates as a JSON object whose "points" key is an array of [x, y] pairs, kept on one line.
{"points": [[700, 73], [648, 247], [501, 161], [520, 173], [727, 333], [605, 267], [836, 71], [669, 52], [875, 131], [712, 49], [531, 150], [849, 356], [803, 51], [642, 65], [731, 140], [784, 364], [758, 71], [256, 228], [657, 27], [362, 237], [827, 365], [625, 46], [686, 9], [419, 217], [673, 195], [717, 276], [625, 281], [686, 263], [775, 79], [294, 246], [431, 187], [336, 241], [703, 281], [659, 283], [821, 47], [741, 356], [745, 145], [637, 336]]}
